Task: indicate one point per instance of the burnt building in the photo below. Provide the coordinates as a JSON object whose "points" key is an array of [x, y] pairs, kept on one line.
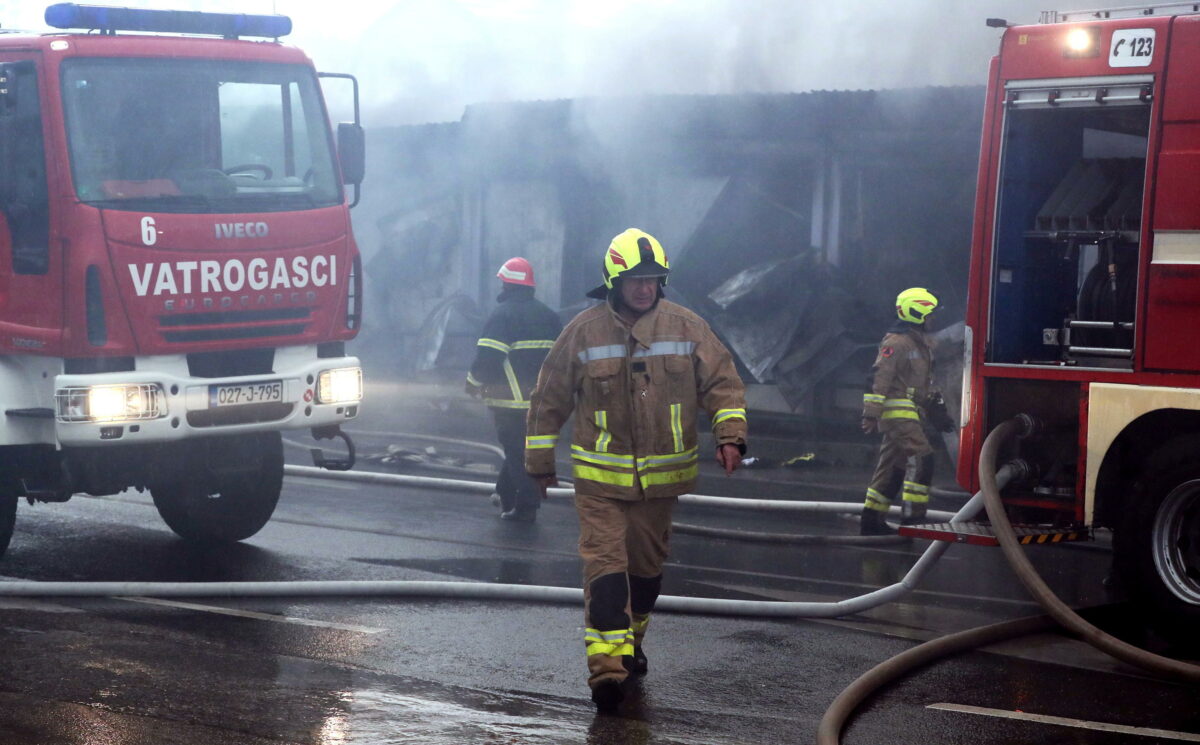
{"points": [[791, 221]]}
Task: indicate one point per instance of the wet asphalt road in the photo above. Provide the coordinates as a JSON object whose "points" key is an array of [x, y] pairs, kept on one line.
{"points": [[334, 671]]}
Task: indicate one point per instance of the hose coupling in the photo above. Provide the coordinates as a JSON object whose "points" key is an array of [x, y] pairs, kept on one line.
{"points": [[1029, 425], [1021, 469]]}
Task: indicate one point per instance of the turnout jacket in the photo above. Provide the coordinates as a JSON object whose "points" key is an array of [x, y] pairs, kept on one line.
{"points": [[635, 393], [901, 383], [510, 351]]}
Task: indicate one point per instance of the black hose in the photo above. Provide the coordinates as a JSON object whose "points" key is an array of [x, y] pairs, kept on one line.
{"points": [[1054, 607]]}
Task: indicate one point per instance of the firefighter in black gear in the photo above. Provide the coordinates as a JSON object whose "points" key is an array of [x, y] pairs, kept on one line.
{"points": [[900, 399], [514, 343]]}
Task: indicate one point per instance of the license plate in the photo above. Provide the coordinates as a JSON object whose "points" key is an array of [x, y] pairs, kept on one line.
{"points": [[241, 394]]}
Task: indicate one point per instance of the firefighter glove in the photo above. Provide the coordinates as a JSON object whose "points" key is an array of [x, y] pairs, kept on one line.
{"points": [[939, 417]]}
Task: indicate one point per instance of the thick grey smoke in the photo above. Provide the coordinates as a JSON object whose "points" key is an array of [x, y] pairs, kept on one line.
{"points": [[423, 61]]}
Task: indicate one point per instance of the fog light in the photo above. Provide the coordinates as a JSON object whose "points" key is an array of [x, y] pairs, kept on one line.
{"points": [[343, 385], [110, 403]]}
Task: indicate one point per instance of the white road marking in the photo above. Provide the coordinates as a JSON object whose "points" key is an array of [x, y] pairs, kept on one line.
{"points": [[1065, 722], [252, 614]]}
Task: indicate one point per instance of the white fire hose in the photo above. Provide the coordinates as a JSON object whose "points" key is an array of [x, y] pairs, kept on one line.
{"points": [[508, 592]]}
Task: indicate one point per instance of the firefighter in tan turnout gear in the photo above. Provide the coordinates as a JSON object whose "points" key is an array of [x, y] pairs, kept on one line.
{"points": [[634, 370], [901, 397]]}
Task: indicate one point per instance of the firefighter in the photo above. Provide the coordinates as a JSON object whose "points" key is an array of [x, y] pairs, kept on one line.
{"points": [[515, 340], [634, 370], [900, 398]]}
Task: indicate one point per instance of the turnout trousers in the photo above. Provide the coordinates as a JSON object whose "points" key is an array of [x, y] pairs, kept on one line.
{"points": [[623, 544], [905, 465], [514, 486]]}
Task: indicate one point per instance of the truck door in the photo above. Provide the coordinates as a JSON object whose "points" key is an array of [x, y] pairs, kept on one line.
{"points": [[1069, 219], [30, 294]]}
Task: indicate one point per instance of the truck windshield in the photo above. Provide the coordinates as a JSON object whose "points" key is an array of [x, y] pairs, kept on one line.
{"points": [[197, 135]]}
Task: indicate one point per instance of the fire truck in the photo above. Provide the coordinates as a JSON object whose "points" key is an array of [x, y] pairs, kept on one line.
{"points": [[1084, 297], [178, 277]]}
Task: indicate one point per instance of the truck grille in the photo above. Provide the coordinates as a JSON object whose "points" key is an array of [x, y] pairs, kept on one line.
{"points": [[234, 324], [231, 363]]}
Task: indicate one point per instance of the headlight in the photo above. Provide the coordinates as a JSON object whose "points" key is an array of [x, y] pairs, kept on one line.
{"points": [[340, 386], [110, 403]]}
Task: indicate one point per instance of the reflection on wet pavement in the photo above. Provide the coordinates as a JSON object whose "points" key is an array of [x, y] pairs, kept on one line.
{"points": [[386, 718]]}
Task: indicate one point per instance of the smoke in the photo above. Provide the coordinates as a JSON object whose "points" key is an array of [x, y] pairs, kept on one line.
{"points": [[422, 61]]}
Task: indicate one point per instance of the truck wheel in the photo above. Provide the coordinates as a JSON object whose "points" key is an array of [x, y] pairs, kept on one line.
{"points": [[235, 510], [1157, 546]]}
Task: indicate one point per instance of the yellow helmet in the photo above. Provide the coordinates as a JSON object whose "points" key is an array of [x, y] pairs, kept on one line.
{"points": [[635, 253], [915, 304]]}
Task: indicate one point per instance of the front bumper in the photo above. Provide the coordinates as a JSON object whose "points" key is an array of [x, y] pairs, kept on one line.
{"points": [[189, 408]]}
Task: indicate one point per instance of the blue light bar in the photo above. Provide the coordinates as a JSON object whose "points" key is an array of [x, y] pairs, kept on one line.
{"points": [[110, 20]]}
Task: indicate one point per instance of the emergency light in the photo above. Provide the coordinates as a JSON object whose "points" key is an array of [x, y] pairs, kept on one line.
{"points": [[110, 20], [1082, 41]]}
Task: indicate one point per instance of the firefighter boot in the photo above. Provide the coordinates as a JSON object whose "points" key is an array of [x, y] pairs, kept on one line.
{"points": [[520, 515], [874, 524], [636, 664], [913, 513], [607, 696]]}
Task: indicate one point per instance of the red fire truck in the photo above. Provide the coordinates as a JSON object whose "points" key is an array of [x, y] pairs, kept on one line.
{"points": [[1084, 298], [177, 273]]}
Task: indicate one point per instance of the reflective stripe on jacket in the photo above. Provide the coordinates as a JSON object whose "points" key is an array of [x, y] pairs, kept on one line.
{"points": [[635, 393], [902, 377], [509, 353]]}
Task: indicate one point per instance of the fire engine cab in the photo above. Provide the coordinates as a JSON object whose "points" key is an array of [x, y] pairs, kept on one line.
{"points": [[1084, 297], [178, 276]]}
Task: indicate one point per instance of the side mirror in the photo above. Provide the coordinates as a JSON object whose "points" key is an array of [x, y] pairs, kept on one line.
{"points": [[352, 152]]}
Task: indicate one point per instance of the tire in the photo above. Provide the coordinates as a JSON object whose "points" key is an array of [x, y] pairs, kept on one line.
{"points": [[1157, 546], [226, 508]]}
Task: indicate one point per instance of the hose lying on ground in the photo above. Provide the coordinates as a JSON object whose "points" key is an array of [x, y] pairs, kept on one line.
{"points": [[840, 711], [775, 505], [484, 590], [830, 729], [793, 539], [1054, 607], [430, 482], [807, 540]]}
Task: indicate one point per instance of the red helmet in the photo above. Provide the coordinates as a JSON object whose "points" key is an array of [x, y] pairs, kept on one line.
{"points": [[516, 271]]}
